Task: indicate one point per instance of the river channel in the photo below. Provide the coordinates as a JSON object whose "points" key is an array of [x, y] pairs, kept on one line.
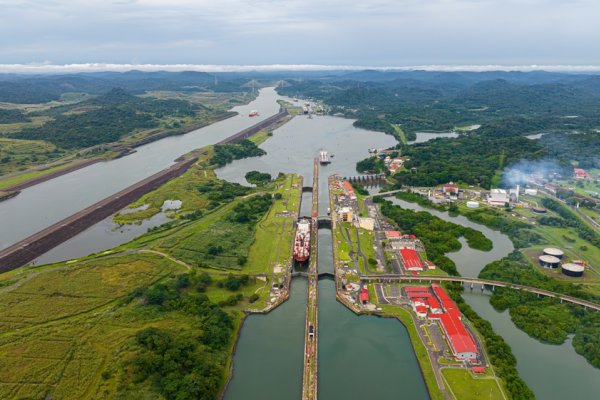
{"points": [[552, 372]]}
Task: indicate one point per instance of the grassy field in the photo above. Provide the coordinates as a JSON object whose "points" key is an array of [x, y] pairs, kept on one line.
{"points": [[184, 188], [61, 327], [275, 232], [399, 133], [466, 386], [17, 155]]}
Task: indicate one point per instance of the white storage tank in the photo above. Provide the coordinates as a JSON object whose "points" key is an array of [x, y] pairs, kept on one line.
{"points": [[549, 261], [472, 204], [572, 269], [552, 251]]}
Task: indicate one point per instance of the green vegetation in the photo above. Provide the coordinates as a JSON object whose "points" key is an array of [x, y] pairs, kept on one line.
{"points": [[12, 116], [372, 164], [258, 178], [466, 386], [470, 159], [545, 319], [569, 219], [226, 153], [18, 154], [438, 236]]}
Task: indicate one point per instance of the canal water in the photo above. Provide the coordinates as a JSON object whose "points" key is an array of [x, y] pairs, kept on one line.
{"points": [[361, 357], [552, 372], [356, 354], [46, 203], [269, 358]]}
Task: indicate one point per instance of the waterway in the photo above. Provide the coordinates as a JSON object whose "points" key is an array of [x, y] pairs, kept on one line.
{"points": [[46, 203], [552, 372], [356, 354], [427, 136], [269, 356], [361, 357]]}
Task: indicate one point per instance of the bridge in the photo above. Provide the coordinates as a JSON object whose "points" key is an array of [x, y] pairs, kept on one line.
{"points": [[373, 178], [476, 281]]}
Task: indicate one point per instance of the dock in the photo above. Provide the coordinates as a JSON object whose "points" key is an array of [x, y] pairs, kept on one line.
{"points": [[309, 379]]}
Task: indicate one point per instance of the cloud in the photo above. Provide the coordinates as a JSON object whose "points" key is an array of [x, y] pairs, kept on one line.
{"points": [[371, 32]]}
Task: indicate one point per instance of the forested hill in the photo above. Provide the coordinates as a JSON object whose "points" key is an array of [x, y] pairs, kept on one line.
{"points": [[506, 103], [44, 88], [104, 119]]}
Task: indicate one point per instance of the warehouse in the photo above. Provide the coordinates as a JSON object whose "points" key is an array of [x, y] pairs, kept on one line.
{"points": [[411, 259]]}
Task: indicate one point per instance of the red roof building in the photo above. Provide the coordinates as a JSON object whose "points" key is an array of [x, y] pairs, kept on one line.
{"points": [[392, 234], [450, 188], [461, 342], [364, 295], [580, 173], [411, 260]]}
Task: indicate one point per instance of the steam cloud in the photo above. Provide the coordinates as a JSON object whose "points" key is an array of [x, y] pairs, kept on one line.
{"points": [[521, 172]]}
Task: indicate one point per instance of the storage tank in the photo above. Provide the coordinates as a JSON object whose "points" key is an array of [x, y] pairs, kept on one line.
{"points": [[572, 269], [552, 251], [549, 261], [472, 204]]}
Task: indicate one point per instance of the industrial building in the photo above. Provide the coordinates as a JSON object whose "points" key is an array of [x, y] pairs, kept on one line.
{"points": [[572, 269], [411, 260], [346, 213], [498, 197], [441, 308]]}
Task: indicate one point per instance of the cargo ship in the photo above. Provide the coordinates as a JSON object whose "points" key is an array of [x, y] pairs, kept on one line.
{"points": [[302, 240], [253, 113]]}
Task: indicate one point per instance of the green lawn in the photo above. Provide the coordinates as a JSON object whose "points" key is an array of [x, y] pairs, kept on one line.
{"points": [[466, 386]]}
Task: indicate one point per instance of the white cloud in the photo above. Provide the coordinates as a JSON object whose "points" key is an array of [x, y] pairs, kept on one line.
{"points": [[377, 32], [46, 67]]}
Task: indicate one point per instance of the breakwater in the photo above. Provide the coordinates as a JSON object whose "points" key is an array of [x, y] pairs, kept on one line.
{"points": [[254, 129]]}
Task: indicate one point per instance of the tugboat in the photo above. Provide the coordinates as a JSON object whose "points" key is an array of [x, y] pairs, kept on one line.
{"points": [[253, 113], [302, 241]]}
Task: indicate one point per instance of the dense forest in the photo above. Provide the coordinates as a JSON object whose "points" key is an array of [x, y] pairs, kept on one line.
{"points": [[26, 89], [12, 116], [503, 103], [472, 159], [226, 153], [105, 119]]}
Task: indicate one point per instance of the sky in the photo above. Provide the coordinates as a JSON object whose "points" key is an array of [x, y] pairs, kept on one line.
{"points": [[378, 33]]}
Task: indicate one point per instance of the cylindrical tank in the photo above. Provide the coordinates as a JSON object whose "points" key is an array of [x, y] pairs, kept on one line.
{"points": [[551, 251], [572, 269], [549, 261]]}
